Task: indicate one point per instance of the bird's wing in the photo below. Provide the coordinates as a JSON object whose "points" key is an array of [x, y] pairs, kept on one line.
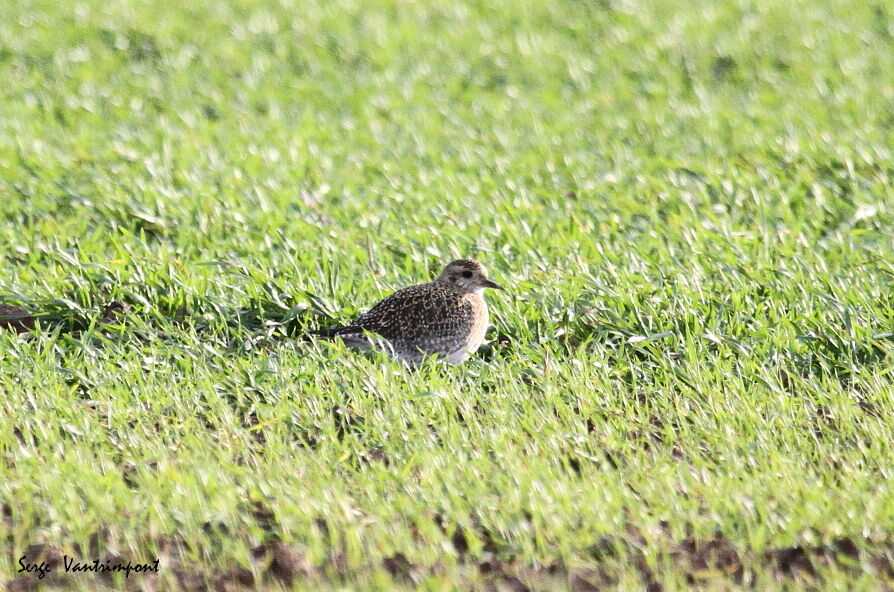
{"points": [[378, 319], [417, 311]]}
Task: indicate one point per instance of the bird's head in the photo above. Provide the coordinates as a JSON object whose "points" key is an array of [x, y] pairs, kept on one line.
{"points": [[467, 275]]}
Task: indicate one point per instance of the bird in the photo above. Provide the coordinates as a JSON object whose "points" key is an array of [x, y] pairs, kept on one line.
{"points": [[445, 318]]}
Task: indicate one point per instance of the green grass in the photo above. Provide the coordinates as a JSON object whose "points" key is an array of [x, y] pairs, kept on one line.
{"points": [[691, 205]]}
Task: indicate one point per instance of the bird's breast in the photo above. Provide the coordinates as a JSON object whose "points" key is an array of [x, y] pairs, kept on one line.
{"points": [[479, 322]]}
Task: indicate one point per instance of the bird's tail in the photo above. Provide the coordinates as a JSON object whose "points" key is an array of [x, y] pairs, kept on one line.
{"points": [[353, 336], [330, 332]]}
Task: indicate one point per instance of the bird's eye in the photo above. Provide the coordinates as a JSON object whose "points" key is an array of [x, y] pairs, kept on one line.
{"points": [[467, 274]]}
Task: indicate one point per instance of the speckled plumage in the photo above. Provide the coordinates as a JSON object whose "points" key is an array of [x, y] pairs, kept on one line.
{"points": [[446, 317]]}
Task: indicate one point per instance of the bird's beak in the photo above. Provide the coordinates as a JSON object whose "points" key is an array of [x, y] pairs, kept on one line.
{"points": [[492, 284]]}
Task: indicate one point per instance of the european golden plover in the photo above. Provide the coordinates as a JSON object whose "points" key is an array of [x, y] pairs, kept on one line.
{"points": [[446, 318]]}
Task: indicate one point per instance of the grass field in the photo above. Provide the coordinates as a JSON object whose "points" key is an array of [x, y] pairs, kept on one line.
{"points": [[687, 385]]}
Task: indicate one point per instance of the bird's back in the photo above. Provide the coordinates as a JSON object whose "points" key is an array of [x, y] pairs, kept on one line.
{"points": [[417, 312], [426, 319]]}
